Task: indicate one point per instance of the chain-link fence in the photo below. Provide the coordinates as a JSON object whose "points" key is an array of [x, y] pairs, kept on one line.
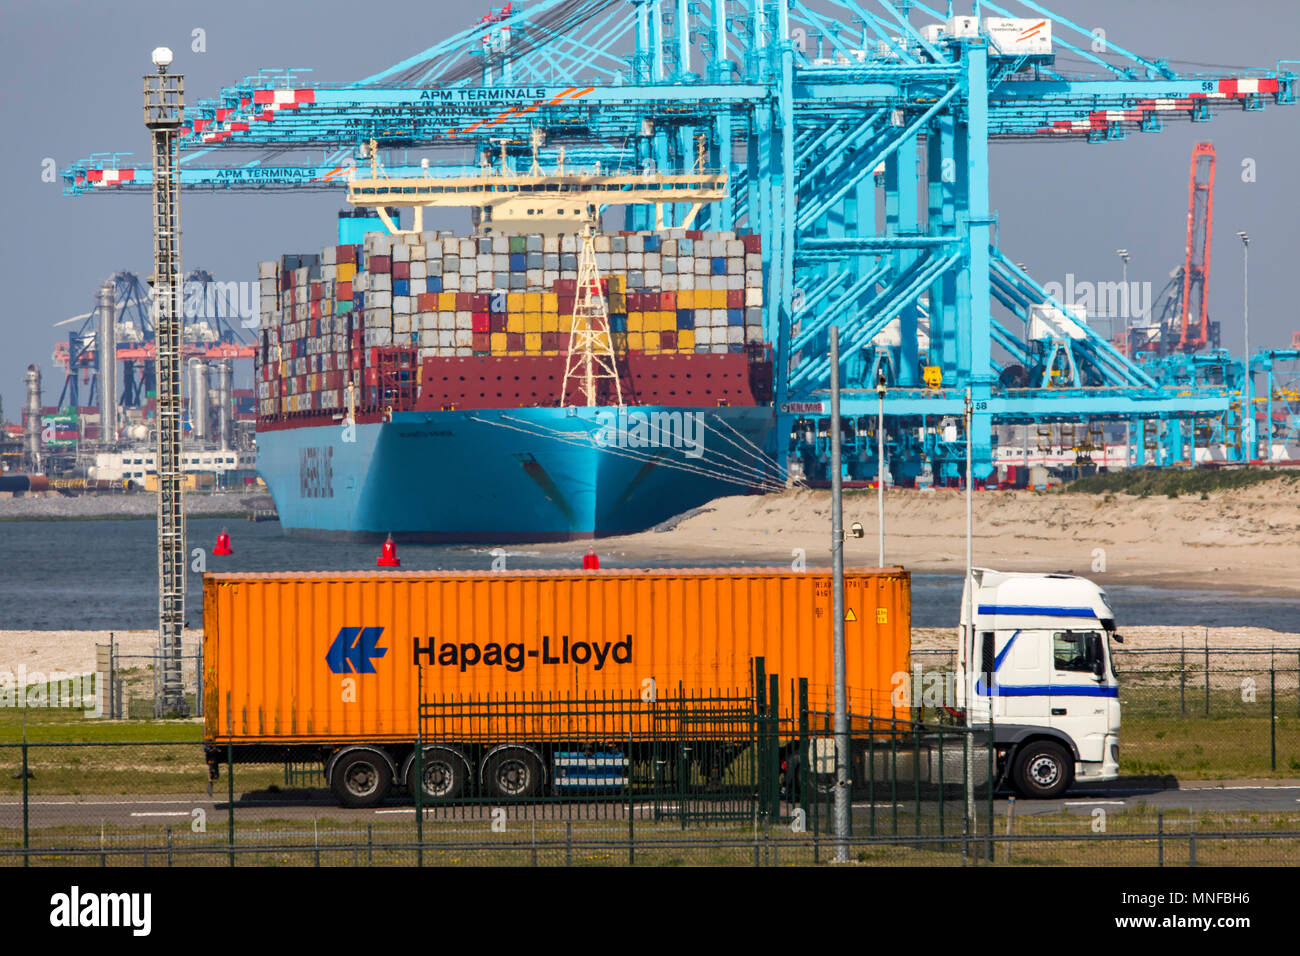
{"points": [[132, 686]]}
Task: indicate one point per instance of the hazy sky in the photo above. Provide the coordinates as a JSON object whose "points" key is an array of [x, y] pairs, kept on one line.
{"points": [[72, 85]]}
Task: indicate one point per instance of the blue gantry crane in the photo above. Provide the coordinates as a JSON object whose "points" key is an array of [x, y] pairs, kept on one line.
{"points": [[855, 138]]}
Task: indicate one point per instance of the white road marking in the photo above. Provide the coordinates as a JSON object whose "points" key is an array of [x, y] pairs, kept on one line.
{"points": [[1094, 803], [98, 803], [161, 813], [410, 810]]}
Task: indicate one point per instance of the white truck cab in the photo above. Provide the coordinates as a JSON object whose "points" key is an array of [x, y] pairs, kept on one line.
{"points": [[1039, 656]]}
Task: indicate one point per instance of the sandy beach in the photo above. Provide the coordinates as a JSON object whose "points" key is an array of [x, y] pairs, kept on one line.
{"points": [[1246, 541]]}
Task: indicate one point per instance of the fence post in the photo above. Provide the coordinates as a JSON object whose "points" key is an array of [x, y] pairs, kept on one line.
{"points": [[1272, 712], [230, 800], [418, 766], [1160, 838], [568, 843], [169, 846], [871, 771], [631, 805], [1182, 677], [773, 750], [1207, 672], [26, 771]]}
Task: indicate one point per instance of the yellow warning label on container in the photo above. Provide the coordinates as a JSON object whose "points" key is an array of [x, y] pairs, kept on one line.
{"points": [[849, 615], [882, 615]]}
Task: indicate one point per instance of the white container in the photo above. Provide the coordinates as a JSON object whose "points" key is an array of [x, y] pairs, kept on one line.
{"points": [[419, 270], [963, 27], [1015, 36]]}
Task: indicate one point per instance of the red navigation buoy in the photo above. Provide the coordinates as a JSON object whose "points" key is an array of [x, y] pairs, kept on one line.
{"points": [[590, 561], [223, 544], [388, 556]]}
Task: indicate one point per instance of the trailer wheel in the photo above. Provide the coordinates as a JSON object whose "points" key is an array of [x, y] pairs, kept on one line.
{"points": [[512, 772], [1043, 770], [361, 778], [445, 774]]}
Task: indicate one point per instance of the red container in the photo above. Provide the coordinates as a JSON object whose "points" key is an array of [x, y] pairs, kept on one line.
{"points": [[401, 270], [552, 341], [482, 341], [482, 323], [496, 322], [427, 302], [379, 264], [668, 340], [343, 291], [515, 341], [479, 301], [345, 254], [752, 243], [667, 301], [735, 298], [464, 302], [372, 376]]}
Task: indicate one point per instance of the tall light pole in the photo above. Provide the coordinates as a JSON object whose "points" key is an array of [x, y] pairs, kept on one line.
{"points": [[164, 111], [1123, 255], [1248, 412], [840, 811], [880, 463]]}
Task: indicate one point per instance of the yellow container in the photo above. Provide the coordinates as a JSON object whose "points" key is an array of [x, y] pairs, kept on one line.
{"points": [[446, 301], [515, 302], [634, 340], [635, 321], [532, 322], [650, 341], [550, 322], [515, 322], [533, 343], [498, 343], [532, 302], [550, 302], [346, 271], [686, 340], [279, 649]]}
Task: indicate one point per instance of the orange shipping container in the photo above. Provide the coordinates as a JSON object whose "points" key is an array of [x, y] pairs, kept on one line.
{"points": [[330, 657]]}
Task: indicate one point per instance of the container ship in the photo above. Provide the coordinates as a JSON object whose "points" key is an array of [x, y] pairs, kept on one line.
{"points": [[486, 388]]}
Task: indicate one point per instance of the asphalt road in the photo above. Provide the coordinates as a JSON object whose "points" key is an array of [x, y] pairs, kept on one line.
{"points": [[178, 810]]}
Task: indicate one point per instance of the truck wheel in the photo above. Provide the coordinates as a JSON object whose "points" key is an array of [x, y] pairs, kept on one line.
{"points": [[361, 778], [445, 774], [1043, 770], [512, 772]]}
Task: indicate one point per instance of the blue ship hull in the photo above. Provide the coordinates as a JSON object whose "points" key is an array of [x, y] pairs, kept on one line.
{"points": [[524, 474]]}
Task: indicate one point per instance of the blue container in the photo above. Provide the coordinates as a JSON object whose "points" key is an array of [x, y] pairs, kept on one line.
{"points": [[685, 247], [735, 316], [686, 318], [735, 346], [401, 287], [719, 266], [433, 284], [518, 262], [651, 243], [359, 299], [617, 322]]}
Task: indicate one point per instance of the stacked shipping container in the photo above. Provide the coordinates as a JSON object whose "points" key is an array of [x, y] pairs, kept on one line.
{"points": [[354, 311]]}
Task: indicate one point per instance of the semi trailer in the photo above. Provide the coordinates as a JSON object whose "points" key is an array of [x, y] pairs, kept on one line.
{"points": [[517, 684]]}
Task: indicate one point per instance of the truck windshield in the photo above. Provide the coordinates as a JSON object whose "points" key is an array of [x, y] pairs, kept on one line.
{"points": [[1076, 650]]}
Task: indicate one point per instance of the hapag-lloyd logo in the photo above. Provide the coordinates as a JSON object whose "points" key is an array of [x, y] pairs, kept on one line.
{"points": [[633, 429]]}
